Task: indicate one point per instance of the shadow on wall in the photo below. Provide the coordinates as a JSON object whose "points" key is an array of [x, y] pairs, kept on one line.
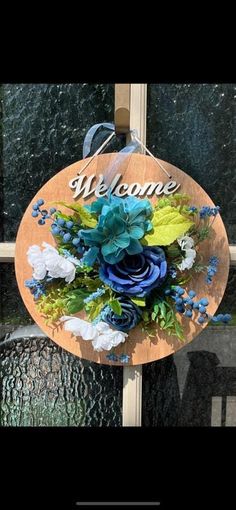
{"points": [[206, 380], [161, 395], [205, 396]]}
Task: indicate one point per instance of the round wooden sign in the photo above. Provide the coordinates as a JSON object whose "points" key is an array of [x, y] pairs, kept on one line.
{"points": [[136, 171]]}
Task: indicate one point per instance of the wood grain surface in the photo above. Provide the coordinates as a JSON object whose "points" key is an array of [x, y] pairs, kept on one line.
{"points": [[134, 168]]}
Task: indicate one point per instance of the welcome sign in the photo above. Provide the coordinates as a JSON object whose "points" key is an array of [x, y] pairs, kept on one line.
{"points": [[80, 184], [85, 186]]}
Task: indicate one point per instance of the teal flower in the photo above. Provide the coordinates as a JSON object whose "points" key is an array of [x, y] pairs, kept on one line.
{"points": [[121, 223]]}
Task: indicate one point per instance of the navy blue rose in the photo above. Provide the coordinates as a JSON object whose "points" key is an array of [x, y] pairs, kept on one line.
{"points": [[130, 317], [136, 275]]}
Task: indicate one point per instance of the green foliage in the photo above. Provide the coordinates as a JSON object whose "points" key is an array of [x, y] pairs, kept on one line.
{"points": [[199, 268], [146, 316], [66, 299], [54, 304], [94, 308], [202, 234], [75, 300], [116, 306], [164, 315], [139, 301], [65, 217], [85, 216], [180, 200], [163, 202], [168, 225], [173, 251], [182, 280]]}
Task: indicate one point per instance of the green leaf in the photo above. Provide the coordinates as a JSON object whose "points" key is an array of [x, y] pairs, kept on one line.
{"points": [[63, 216], [168, 225], [116, 306], [179, 330], [145, 316], [163, 202], [169, 315], [139, 301], [93, 308], [154, 317], [92, 284], [163, 310], [75, 301], [85, 216]]}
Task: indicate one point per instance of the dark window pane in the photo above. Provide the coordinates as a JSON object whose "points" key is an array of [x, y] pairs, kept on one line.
{"points": [[193, 126], [43, 127]]}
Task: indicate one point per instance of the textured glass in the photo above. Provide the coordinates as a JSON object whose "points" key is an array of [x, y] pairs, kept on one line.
{"points": [[193, 126], [43, 127], [178, 389], [43, 385]]}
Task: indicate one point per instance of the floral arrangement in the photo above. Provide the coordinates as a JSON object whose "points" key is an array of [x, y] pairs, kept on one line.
{"points": [[125, 263]]}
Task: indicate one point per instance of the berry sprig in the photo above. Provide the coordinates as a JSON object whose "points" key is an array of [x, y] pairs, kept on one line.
{"points": [[62, 228], [187, 306], [212, 269], [123, 358], [44, 213]]}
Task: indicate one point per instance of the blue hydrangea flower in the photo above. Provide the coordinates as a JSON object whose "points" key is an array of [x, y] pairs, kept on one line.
{"points": [[130, 317], [121, 224], [136, 275]]}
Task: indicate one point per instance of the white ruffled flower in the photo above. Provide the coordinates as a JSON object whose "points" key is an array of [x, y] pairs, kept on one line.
{"points": [[186, 244], [50, 261], [57, 265], [36, 260], [102, 336]]}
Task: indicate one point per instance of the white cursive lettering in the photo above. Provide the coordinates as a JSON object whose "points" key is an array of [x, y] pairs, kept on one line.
{"points": [[83, 185]]}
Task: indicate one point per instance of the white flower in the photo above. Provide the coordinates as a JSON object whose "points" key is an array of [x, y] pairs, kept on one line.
{"points": [[50, 261], [58, 266], [36, 260], [102, 336], [186, 244]]}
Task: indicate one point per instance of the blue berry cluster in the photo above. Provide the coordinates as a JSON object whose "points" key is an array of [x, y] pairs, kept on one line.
{"points": [[123, 358], [193, 209], [225, 318], [63, 228], [212, 269], [208, 211], [188, 306], [36, 287], [44, 213]]}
